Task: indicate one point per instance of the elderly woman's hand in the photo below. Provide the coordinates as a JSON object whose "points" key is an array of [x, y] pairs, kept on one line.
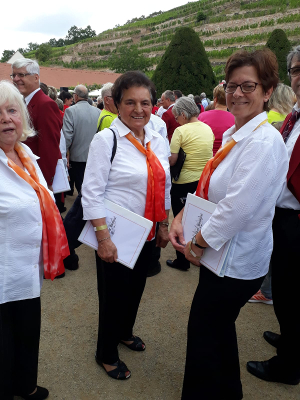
{"points": [[162, 237], [107, 251], [190, 257], [176, 233]]}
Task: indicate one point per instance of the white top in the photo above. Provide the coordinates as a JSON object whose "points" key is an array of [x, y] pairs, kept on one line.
{"points": [[124, 181], [246, 185], [21, 264], [160, 111], [286, 198], [158, 125], [30, 96]]}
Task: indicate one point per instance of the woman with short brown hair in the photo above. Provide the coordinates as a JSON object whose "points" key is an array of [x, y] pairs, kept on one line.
{"points": [[244, 179]]}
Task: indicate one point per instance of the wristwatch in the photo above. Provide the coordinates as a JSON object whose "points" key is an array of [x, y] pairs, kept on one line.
{"points": [[194, 242]]}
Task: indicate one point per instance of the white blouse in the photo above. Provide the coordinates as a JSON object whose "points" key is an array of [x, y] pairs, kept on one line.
{"points": [[246, 185], [21, 264], [124, 181]]}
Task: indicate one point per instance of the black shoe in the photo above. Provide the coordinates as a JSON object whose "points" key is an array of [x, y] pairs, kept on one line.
{"points": [[71, 262], [40, 394], [272, 338], [60, 276], [154, 271], [263, 370], [174, 264]]}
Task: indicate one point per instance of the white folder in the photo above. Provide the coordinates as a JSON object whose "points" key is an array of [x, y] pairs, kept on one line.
{"points": [[60, 181], [197, 212], [128, 231]]}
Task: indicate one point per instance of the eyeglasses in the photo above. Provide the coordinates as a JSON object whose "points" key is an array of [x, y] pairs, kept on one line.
{"points": [[246, 87], [18, 75], [294, 71]]}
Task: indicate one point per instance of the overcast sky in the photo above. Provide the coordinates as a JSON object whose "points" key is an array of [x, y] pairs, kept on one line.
{"points": [[38, 21]]}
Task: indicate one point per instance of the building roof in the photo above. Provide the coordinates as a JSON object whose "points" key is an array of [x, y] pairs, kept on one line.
{"points": [[67, 77], [15, 57]]}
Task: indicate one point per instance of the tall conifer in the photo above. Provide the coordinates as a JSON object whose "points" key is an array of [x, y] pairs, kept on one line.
{"points": [[185, 66]]}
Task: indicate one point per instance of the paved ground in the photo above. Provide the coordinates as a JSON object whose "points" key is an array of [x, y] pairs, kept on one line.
{"points": [[69, 331]]}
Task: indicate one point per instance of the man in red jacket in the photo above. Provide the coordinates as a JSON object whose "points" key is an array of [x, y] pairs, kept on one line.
{"points": [[285, 367], [44, 114], [168, 101]]}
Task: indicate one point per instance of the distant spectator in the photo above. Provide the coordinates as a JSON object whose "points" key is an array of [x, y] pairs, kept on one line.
{"points": [[67, 99], [168, 101], [100, 104], [218, 119], [161, 109], [79, 127], [44, 88], [196, 140], [211, 106], [110, 111], [177, 94], [197, 100], [281, 103], [90, 101], [204, 101]]}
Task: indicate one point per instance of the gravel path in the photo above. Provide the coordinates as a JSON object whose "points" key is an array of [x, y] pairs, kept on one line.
{"points": [[69, 333]]}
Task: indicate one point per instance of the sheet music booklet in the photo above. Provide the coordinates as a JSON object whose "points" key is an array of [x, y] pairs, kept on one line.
{"points": [[197, 212]]}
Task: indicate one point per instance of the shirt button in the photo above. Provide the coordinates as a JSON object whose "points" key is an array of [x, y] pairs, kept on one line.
{"points": [[39, 224], [35, 266], [37, 245]]}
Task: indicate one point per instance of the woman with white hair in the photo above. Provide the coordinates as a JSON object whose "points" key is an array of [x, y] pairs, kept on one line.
{"points": [[32, 245], [196, 140]]}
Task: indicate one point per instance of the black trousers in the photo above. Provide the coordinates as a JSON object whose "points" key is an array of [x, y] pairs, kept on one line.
{"points": [[19, 347], [212, 370], [78, 169], [285, 286], [178, 193], [120, 290]]}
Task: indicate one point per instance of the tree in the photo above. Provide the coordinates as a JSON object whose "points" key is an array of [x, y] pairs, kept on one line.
{"points": [[201, 16], [43, 53], [128, 59], [185, 65], [6, 55], [281, 46], [32, 46], [88, 32], [76, 34]]}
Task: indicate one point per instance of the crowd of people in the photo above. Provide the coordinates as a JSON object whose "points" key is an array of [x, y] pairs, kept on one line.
{"points": [[241, 152]]}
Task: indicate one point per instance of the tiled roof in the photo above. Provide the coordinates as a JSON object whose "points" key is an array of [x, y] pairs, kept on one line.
{"points": [[58, 77]]}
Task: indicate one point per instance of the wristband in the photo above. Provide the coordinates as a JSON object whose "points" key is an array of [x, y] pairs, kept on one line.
{"points": [[100, 228], [192, 252]]}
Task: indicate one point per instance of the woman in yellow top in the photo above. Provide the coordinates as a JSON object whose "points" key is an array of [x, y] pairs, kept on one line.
{"points": [[196, 140], [281, 103]]}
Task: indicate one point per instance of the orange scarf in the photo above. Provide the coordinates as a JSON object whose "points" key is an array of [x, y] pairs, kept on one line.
{"points": [[211, 165], [155, 199], [54, 240]]}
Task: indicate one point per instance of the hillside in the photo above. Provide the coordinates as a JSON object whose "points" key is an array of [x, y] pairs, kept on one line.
{"points": [[226, 26]]}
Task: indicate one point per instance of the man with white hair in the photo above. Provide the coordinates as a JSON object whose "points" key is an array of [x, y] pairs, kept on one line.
{"points": [[44, 114], [109, 112], [79, 127], [168, 101], [204, 101]]}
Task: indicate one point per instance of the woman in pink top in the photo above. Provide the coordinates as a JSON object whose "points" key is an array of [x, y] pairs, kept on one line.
{"points": [[218, 119]]}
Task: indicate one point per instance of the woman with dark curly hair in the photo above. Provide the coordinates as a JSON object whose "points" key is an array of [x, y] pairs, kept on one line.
{"points": [[138, 179]]}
